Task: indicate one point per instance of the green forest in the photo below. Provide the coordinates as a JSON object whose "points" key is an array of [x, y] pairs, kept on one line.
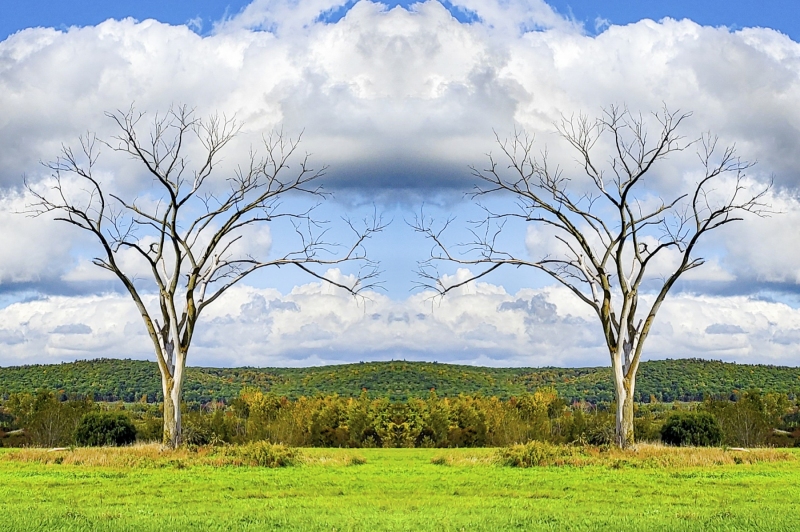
{"points": [[661, 380]]}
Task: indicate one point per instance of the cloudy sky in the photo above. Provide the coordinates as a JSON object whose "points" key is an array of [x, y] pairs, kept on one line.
{"points": [[398, 101]]}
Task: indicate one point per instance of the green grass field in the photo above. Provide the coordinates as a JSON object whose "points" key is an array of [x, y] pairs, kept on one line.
{"points": [[398, 489]]}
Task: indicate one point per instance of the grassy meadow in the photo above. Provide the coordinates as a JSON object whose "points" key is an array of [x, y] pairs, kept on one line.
{"points": [[654, 488]]}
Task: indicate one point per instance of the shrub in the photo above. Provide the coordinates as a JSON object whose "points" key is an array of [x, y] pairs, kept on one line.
{"points": [[537, 453], [356, 460], [196, 429], [149, 428], [748, 421], [105, 428], [262, 453], [47, 421], [691, 428], [600, 428], [646, 427], [6, 420]]}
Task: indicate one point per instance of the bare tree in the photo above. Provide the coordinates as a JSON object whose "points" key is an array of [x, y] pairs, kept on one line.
{"points": [[189, 230], [610, 232]]}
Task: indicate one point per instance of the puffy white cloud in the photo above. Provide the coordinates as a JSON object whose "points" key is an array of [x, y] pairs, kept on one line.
{"points": [[767, 250], [32, 251], [387, 87], [315, 324]]}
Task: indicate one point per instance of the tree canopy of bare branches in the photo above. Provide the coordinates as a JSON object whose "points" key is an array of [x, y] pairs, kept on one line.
{"points": [[609, 232], [188, 231]]}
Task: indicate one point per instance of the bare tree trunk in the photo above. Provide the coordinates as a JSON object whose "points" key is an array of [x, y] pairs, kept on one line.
{"points": [[172, 387], [172, 415], [624, 388]]}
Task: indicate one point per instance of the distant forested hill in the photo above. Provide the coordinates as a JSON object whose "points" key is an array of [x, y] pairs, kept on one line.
{"points": [[664, 380]]}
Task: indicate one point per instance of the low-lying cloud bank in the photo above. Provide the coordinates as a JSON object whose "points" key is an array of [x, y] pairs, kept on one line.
{"points": [[482, 324]]}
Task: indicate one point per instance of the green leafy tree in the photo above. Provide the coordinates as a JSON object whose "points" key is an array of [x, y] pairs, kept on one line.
{"points": [[105, 429], [691, 428]]}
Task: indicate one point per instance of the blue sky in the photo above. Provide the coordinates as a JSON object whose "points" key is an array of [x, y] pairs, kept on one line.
{"points": [[398, 105], [777, 14]]}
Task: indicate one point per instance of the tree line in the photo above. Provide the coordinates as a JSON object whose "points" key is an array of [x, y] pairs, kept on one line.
{"points": [[751, 419], [659, 381]]}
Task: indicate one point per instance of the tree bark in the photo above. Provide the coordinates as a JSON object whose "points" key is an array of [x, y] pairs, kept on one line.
{"points": [[172, 413], [624, 427], [172, 386]]}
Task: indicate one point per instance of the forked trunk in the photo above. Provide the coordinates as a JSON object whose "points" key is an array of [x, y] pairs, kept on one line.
{"points": [[172, 386]]}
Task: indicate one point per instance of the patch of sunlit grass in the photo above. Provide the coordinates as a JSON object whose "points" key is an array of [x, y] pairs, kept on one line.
{"points": [[154, 455], [644, 455], [465, 457], [667, 456], [332, 457]]}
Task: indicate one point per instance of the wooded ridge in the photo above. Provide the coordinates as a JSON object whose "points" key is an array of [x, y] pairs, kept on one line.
{"points": [[661, 380]]}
